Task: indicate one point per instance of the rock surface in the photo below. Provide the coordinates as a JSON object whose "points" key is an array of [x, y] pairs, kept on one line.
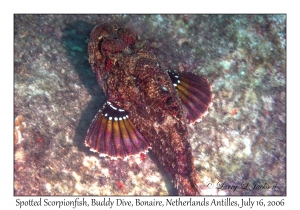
{"points": [[241, 141]]}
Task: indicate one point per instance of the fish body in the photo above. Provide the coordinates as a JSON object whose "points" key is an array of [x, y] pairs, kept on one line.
{"points": [[146, 108]]}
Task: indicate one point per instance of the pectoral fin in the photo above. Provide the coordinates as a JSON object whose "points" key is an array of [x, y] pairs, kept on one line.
{"points": [[113, 134], [195, 93]]}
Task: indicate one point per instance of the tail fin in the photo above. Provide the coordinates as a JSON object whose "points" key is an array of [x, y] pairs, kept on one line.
{"points": [[186, 185]]}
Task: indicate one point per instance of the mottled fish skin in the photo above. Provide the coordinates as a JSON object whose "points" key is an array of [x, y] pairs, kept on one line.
{"points": [[132, 78]]}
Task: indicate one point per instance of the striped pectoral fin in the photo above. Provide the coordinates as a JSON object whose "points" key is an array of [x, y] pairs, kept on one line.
{"points": [[113, 134], [195, 93]]}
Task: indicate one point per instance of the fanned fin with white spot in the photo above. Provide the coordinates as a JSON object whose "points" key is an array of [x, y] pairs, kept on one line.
{"points": [[195, 93], [113, 134]]}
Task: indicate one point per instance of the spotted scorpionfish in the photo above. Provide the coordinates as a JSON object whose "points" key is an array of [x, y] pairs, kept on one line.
{"points": [[147, 107]]}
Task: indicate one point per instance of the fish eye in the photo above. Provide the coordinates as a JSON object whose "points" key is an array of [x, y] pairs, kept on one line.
{"points": [[127, 35], [112, 46]]}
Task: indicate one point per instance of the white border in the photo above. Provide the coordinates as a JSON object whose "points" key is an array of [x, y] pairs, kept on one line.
{"points": [[237, 6]]}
